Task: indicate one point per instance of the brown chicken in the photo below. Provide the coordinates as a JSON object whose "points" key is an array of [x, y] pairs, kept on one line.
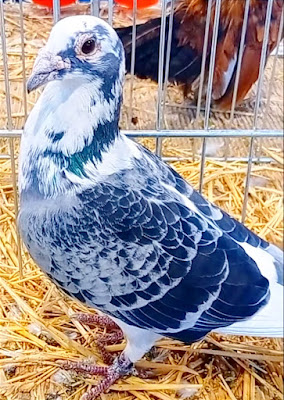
{"points": [[187, 45]]}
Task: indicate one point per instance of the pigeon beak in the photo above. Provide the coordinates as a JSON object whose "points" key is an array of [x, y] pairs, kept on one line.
{"points": [[46, 68]]}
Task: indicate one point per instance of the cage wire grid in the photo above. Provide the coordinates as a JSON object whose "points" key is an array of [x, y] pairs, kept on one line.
{"points": [[162, 119]]}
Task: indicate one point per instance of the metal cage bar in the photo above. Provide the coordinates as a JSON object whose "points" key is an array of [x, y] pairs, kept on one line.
{"points": [[22, 33], [161, 77], [204, 57], [110, 11], [132, 62], [238, 72], [257, 104], [95, 8], [168, 55], [276, 57], [240, 59], [10, 127], [209, 89], [184, 133], [56, 11]]}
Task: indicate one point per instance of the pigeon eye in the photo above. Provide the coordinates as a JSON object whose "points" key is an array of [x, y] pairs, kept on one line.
{"points": [[89, 46]]}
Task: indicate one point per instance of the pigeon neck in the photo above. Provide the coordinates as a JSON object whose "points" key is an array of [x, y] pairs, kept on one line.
{"points": [[65, 137], [104, 135]]}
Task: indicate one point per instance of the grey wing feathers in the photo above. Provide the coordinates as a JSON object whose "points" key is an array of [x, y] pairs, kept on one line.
{"points": [[200, 278]]}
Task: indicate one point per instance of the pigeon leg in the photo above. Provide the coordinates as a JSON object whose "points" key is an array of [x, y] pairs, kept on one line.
{"points": [[112, 338], [121, 366], [92, 319]]}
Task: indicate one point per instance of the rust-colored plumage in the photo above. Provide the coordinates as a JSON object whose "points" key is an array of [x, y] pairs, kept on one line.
{"points": [[188, 40]]}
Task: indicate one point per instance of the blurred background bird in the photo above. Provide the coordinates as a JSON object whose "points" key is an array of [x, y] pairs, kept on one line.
{"points": [[187, 46]]}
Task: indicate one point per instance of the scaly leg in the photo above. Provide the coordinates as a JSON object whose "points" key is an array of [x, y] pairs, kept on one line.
{"points": [[93, 319], [112, 338]]}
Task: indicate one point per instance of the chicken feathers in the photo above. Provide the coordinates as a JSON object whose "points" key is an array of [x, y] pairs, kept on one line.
{"points": [[188, 39]]}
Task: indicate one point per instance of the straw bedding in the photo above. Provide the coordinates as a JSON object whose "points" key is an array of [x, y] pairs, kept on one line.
{"points": [[36, 328]]}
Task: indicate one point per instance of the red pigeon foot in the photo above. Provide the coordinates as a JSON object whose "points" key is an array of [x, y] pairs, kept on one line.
{"points": [[111, 338], [121, 366]]}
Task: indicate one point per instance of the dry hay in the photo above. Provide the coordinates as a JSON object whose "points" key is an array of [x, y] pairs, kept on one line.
{"points": [[36, 329]]}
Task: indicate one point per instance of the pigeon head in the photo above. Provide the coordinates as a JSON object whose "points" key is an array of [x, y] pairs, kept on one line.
{"points": [[82, 49], [75, 120]]}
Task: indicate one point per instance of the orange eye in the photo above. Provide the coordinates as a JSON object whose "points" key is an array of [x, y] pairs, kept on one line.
{"points": [[89, 46]]}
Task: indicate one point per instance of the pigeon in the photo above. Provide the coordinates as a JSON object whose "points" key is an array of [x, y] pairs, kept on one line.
{"points": [[117, 228]]}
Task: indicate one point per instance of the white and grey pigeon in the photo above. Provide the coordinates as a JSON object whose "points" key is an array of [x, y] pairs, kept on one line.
{"points": [[116, 227]]}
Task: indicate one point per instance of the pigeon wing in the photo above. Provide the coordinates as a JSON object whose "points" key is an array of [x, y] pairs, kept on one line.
{"points": [[189, 274]]}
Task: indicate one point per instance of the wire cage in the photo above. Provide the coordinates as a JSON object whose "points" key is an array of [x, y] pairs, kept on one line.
{"points": [[244, 133], [203, 142]]}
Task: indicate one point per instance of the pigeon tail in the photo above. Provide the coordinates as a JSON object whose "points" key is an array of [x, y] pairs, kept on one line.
{"points": [[268, 321]]}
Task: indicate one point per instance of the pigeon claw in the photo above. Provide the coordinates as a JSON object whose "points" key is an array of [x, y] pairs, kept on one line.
{"points": [[121, 366]]}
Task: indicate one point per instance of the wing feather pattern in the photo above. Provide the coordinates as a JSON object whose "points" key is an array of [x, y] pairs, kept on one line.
{"points": [[192, 275]]}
